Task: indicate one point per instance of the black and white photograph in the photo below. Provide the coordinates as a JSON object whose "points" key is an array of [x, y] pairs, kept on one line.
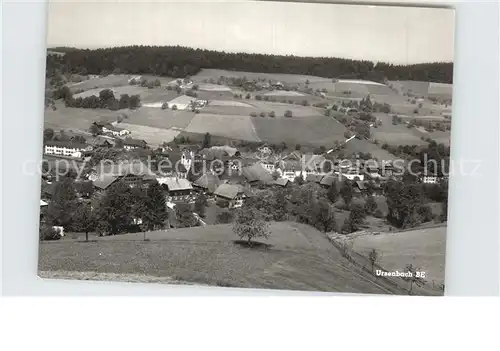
{"points": [[247, 144]]}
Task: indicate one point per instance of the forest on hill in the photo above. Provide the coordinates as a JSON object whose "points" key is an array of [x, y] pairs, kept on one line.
{"points": [[179, 62]]}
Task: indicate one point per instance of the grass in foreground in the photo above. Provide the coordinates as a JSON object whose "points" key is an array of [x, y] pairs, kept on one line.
{"points": [[305, 261]]}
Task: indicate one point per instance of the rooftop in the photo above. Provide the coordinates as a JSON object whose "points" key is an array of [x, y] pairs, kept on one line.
{"points": [[67, 144], [230, 191], [208, 181], [174, 183], [257, 172]]}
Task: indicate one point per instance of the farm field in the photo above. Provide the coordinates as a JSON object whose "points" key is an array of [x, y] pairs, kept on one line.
{"points": [[284, 93], [314, 130], [158, 118], [76, 118], [416, 87], [229, 110], [213, 87], [280, 109], [441, 90], [109, 81], [362, 145], [229, 103], [153, 136], [394, 134], [282, 77], [423, 248], [231, 126], [300, 259]]}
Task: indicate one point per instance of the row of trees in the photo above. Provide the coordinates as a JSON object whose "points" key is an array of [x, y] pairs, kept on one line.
{"points": [[180, 62], [120, 209], [105, 100]]}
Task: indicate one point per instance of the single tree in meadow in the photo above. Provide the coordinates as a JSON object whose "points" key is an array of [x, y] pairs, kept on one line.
{"points": [[374, 257], [64, 201], [207, 141], [84, 220], [200, 205], [185, 216], [333, 193], [416, 277], [249, 225], [324, 218], [370, 205], [48, 134], [346, 192]]}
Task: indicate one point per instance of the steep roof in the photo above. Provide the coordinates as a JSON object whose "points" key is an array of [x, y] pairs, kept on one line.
{"points": [[67, 144], [174, 183], [105, 181], [123, 168], [281, 181], [208, 181], [329, 179], [316, 178], [134, 142], [257, 172], [229, 191]]}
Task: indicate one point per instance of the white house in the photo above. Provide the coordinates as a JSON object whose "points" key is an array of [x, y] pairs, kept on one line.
{"points": [[64, 148], [429, 179], [115, 131]]}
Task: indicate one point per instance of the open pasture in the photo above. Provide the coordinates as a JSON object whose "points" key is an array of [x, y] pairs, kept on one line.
{"points": [[110, 81], [442, 90], [229, 103], [314, 130], [423, 248], [230, 126], [229, 110], [417, 88], [213, 87], [283, 93], [281, 77], [77, 119], [117, 90], [158, 118], [153, 136], [362, 145], [280, 109], [300, 259]]}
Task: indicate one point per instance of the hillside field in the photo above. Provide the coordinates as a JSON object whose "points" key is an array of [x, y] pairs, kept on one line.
{"points": [[300, 258], [231, 126], [313, 130], [423, 248]]}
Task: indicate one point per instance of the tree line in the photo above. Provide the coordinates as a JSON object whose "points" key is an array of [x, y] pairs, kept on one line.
{"points": [[120, 209], [179, 62], [105, 100]]}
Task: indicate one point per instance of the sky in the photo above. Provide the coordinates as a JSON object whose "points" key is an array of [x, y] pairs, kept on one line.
{"points": [[400, 35]]}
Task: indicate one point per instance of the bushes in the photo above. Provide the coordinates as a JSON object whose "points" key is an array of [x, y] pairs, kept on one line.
{"points": [[174, 107], [49, 233], [425, 213], [378, 214], [272, 114], [262, 114], [224, 217], [164, 106]]}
